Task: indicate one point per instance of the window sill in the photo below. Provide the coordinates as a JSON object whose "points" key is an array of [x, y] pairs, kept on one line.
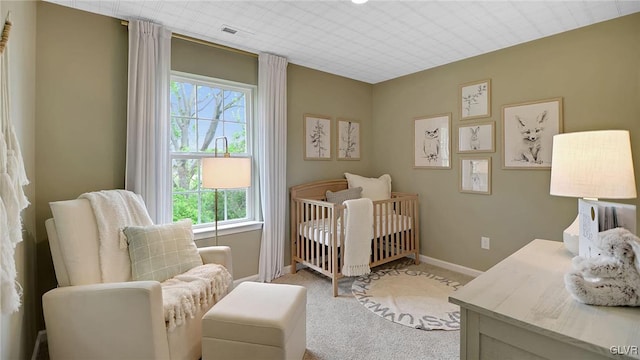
{"points": [[210, 232]]}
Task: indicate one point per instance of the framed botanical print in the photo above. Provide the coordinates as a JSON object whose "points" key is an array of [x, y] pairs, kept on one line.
{"points": [[475, 100], [432, 142], [317, 137], [348, 139]]}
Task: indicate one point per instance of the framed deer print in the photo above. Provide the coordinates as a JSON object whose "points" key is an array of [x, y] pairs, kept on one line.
{"points": [[475, 175]]}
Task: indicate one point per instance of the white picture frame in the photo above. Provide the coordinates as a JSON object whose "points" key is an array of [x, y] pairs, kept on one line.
{"points": [[432, 142], [348, 139], [477, 138], [317, 137], [528, 130]]}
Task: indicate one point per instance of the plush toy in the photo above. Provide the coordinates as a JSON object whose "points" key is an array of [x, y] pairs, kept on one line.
{"points": [[612, 278]]}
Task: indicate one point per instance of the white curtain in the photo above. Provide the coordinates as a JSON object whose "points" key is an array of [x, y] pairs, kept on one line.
{"points": [[272, 160], [147, 168]]}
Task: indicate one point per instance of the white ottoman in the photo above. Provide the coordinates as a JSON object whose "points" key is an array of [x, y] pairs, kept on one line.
{"points": [[257, 321]]}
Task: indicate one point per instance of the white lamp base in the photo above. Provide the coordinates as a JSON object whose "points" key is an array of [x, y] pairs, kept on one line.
{"points": [[571, 235]]}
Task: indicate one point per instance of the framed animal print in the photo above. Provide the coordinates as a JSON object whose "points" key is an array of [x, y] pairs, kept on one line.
{"points": [[317, 137], [475, 175], [528, 130], [475, 100], [348, 139], [476, 138], [432, 142]]}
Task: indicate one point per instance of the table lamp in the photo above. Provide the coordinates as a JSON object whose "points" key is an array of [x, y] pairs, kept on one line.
{"points": [[225, 172], [591, 165]]}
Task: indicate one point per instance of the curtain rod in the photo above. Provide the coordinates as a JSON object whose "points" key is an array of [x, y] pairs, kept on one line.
{"points": [[203, 42]]}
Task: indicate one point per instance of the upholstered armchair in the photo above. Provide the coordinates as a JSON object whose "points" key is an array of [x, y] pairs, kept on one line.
{"points": [[88, 319]]}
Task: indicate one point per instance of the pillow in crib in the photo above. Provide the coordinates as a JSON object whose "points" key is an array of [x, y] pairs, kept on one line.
{"points": [[348, 194], [372, 188]]}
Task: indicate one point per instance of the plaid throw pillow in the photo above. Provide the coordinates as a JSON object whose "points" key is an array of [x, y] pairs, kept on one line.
{"points": [[160, 252]]}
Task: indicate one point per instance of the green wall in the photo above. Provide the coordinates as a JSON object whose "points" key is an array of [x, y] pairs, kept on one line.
{"points": [[80, 128], [18, 330], [82, 89], [595, 69], [315, 92], [81, 112]]}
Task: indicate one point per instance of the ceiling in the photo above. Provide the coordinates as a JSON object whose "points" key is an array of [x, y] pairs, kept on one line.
{"points": [[372, 42]]}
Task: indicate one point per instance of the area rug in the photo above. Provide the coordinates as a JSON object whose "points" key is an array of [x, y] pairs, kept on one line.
{"points": [[409, 297]]}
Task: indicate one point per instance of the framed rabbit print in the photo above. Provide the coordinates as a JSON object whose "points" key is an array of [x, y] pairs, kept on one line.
{"points": [[432, 145], [477, 138]]}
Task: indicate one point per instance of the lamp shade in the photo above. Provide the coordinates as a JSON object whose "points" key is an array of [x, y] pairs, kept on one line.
{"points": [[226, 172], [593, 164]]}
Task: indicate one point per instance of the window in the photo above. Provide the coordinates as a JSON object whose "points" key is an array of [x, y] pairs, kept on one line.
{"points": [[203, 109]]}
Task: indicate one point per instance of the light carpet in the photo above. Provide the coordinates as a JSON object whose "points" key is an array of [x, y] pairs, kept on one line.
{"points": [[340, 328], [409, 297]]}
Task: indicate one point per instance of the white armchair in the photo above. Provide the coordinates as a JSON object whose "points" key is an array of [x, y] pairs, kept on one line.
{"points": [[88, 319]]}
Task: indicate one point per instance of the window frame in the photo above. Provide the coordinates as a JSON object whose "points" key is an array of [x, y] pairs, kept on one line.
{"points": [[251, 221]]}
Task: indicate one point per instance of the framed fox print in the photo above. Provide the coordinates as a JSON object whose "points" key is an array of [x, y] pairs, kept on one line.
{"points": [[432, 142], [528, 130]]}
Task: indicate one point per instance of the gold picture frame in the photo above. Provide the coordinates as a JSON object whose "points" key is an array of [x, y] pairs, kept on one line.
{"points": [[477, 137], [475, 100], [475, 175], [348, 139], [527, 133], [316, 132], [432, 141]]}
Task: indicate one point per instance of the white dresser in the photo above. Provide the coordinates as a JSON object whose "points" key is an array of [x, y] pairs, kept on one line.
{"points": [[520, 309]]}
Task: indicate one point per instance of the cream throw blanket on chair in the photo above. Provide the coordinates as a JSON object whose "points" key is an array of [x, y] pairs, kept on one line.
{"points": [[184, 294], [358, 235], [114, 210]]}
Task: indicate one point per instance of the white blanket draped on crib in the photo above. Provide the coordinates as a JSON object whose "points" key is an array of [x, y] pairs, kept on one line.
{"points": [[358, 236]]}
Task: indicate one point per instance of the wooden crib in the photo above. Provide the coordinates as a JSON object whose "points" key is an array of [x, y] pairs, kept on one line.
{"points": [[317, 232]]}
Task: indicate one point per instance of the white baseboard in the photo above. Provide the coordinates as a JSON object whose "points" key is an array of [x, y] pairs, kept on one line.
{"points": [[426, 259], [285, 270], [451, 266]]}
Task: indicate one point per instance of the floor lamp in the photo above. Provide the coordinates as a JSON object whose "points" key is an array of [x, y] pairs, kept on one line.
{"points": [[225, 172], [591, 165]]}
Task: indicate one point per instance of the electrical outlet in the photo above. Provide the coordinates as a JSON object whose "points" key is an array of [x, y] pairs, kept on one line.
{"points": [[484, 242]]}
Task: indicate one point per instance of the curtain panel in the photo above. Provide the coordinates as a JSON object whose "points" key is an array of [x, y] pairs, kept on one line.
{"points": [[272, 160], [147, 159]]}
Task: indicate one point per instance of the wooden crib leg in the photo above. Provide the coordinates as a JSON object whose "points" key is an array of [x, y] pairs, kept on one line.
{"points": [[334, 282]]}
